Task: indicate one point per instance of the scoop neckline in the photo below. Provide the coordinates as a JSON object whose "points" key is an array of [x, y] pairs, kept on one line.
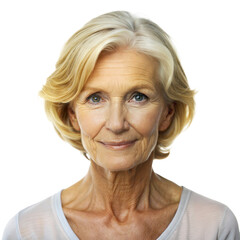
{"points": [[185, 196]]}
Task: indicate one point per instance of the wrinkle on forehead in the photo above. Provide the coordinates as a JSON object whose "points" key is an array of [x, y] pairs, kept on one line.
{"points": [[124, 71], [125, 63]]}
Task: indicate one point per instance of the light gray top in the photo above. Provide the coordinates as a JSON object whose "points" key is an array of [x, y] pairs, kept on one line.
{"points": [[197, 218]]}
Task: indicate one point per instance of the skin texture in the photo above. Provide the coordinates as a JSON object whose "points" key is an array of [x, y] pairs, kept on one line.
{"points": [[120, 113]]}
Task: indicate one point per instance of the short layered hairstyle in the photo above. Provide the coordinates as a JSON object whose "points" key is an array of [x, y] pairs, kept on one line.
{"points": [[108, 33]]}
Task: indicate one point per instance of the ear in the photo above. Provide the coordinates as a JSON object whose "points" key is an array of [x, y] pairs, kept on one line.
{"points": [[167, 117], [73, 118]]}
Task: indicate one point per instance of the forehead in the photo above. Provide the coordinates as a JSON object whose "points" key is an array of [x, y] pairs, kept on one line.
{"points": [[122, 65]]}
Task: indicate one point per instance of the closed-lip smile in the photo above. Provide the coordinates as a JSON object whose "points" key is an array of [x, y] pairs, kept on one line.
{"points": [[118, 145]]}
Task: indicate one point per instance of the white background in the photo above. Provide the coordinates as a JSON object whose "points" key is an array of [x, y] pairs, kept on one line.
{"points": [[36, 163]]}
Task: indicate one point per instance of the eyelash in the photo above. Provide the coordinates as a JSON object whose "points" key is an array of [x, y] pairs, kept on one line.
{"points": [[134, 95], [140, 94], [91, 96]]}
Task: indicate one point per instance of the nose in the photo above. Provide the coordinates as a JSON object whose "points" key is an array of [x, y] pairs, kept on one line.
{"points": [[116, 120]]}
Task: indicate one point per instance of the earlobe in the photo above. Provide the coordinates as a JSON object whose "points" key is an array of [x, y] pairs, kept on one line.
{"points": [[166, 120], [73, 118]]}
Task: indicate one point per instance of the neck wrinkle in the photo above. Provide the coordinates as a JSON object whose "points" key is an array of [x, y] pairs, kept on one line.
{"points": [[121, 193]]}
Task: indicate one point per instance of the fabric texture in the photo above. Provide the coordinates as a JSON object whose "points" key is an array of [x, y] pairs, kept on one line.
{"points": [[197, 218]]}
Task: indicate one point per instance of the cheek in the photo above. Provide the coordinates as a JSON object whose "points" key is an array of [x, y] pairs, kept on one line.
{"points": [[90, 122], [146, 121]]}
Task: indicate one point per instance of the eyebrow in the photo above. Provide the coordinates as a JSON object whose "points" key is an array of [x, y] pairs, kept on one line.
{"points": [[134, 88]]}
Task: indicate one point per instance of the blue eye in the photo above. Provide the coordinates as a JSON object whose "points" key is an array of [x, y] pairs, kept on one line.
{"points": [[94, 98], [139, 97]]}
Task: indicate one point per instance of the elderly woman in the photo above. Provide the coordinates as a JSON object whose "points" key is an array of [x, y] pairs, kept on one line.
{"points": [[120, 96]]}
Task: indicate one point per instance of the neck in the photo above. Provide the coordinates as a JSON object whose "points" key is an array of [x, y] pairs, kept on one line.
{"points": [[120, 194], [124, 190]]}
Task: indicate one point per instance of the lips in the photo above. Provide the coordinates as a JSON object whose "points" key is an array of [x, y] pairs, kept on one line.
{"points": [[118, 145]]}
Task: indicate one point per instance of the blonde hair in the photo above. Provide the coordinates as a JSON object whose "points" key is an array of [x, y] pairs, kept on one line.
{"points": [[109, 32]]}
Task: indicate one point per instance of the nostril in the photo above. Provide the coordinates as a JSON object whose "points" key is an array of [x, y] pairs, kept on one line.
{"points": [[117, 124]]}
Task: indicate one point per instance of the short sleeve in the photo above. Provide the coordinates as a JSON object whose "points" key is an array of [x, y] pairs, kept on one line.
{"points": [[229, 227], [11, 231]]}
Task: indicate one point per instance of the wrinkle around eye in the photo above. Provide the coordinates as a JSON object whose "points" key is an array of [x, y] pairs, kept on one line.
{"points": [[94, 99], [144, 99]]}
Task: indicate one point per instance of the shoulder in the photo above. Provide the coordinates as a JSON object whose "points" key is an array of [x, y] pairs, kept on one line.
{"points": [[11, 231], [206, 207], [212, 217], [32, 222], [229, 227]]}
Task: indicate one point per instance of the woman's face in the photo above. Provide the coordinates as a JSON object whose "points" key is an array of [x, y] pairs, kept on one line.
{"points": [[120, 111]]}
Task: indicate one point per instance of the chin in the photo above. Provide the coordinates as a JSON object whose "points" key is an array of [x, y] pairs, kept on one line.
{"points": [[118, 164]]}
